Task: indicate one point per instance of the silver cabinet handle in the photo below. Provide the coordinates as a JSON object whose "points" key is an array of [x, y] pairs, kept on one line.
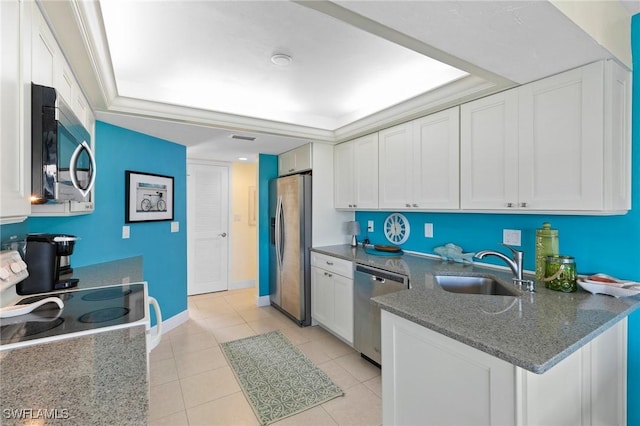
{"points": [[523, 204], [326, 274], [509, 204], [350, 205], [407, 205], [224, 234], [415, 205], [355, 205], [329, 263]]}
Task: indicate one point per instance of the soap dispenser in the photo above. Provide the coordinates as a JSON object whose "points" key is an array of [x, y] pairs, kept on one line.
{"points": [[547, 244]]}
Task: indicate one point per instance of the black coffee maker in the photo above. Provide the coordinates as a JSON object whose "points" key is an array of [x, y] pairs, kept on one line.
{"points": [[47, 259]]}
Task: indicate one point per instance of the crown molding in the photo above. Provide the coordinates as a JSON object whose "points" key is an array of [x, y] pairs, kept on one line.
{"points": [[201, 117], [447, 96]]}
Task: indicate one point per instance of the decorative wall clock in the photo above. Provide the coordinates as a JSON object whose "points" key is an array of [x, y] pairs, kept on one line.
{"points": [[396, 228]]}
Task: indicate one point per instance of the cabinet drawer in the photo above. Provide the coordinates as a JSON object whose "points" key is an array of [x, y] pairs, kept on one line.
{"points": [[332, 264]]}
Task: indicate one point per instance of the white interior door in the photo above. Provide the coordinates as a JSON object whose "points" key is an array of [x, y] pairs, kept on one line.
{"points": [[208, 227]]}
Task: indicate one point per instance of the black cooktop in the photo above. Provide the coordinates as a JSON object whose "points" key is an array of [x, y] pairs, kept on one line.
{"points": [[84, 310]]}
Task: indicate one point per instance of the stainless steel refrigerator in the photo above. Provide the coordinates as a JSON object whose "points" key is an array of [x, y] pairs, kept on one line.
{"points": [[290, 237]]}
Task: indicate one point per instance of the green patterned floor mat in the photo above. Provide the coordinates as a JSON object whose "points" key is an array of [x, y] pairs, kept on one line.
{"points": [[277, 379]]}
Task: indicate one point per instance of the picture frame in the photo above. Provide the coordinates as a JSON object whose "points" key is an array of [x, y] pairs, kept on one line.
{"points": [[148, 197]]}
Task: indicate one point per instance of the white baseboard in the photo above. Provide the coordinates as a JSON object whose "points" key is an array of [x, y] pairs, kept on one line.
{"points": [[235, 285], [263, 301], [173, 322]]}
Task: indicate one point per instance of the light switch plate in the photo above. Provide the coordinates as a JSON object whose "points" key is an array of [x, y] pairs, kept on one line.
{"points": [[511, 237], [428, 230], [369, 226], [125, 232], [175, 226]]}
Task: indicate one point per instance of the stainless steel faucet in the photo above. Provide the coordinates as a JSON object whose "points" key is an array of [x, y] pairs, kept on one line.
{"points": [[515, 264]]}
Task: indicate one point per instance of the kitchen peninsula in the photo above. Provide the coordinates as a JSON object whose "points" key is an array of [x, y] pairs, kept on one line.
{"points": [[97, 379], [540, 358]]}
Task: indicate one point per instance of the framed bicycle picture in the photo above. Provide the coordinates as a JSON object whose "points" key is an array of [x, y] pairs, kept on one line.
{"points": [[148, 197]]}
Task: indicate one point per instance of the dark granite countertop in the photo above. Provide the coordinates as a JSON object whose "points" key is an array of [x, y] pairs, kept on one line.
{"points": [[97, 379], [123, 271], [534, 331]]}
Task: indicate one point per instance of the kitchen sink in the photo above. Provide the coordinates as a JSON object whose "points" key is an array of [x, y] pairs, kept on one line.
{"points": [[474, 285]]}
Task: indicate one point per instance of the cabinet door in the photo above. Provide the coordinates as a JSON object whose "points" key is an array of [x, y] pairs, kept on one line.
{"points": [[44, 52], [437, 161], [561, 141], [395, 159], [302, 158], [489, 152], [15, 152], [343, 307], [322, 309], [286, 163], [431, 379], [617, 139], [365, 164], [343, 178], [593, 382]]}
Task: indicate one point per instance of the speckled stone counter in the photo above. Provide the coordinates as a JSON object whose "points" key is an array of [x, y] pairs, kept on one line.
{"points": [[99, 379], [534, 331], [123, 271]]}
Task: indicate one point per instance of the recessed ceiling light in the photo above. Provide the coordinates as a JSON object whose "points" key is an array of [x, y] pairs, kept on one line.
{"points": [[242, 158], [281, 59]]}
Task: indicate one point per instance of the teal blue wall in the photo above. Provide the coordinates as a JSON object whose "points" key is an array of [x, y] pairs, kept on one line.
{"points": [[267, 170], [608, 244], [165, 253]]}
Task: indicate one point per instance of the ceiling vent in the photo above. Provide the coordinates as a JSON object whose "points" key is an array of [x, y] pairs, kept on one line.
{"points": [[244, 138]]}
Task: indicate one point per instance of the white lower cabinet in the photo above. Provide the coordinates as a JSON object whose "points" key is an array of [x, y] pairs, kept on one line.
{"points": [[332, 295], [431, 379]]}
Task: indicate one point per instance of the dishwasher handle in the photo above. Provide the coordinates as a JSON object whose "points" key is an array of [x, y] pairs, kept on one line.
{"points": [[382, 276]]}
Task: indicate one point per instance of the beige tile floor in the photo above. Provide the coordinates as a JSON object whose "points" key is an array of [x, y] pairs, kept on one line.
{"points": [[192, 384]]}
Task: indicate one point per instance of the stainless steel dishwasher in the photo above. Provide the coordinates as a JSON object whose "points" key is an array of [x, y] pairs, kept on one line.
{"points": [[368, 283]]}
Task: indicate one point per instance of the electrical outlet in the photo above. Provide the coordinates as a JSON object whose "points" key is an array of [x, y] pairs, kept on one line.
{"points": [[125, 232], [511, 237], [175, 226], [369, 226], [428, 230]]}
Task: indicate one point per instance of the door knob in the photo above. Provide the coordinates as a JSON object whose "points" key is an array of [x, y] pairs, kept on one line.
{"points": [[224, 234]]}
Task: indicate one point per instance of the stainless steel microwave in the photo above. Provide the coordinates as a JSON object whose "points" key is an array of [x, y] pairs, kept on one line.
{"points": [[63, 166]]}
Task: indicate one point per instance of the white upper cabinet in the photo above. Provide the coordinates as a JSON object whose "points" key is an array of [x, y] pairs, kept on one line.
{"points": [[15, 129], [395, 171], [295, 161], [356, 173], [489, 152], [436, 160], [558, 144], [419, 163], [50, 68]]}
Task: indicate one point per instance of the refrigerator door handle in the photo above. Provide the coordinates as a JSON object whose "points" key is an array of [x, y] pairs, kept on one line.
{"points": [[282, 232], [277, 231]]}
